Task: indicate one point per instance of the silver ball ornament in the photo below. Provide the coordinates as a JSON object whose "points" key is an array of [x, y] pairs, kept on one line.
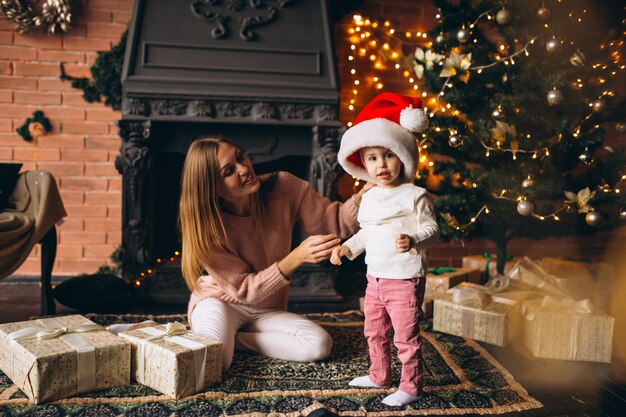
{"points": [[440, 38], [543, 13], [503, 17], [554, 97], [455, 141], [525, 207], [620, 127], [578, 59], [463, 35], [585, 157], [622, 213], [599, 105], [498, 114], [528, 182], [553, 45], [593, 218]]}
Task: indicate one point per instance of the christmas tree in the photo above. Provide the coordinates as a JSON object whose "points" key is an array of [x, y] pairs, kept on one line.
{"points": [[521, 95]]}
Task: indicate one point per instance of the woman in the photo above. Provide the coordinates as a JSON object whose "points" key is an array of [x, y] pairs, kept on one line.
{"points": [[236, 251]]}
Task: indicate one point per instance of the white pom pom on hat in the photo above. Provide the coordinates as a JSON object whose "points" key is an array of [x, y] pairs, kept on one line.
{"points": [[388, 121]]}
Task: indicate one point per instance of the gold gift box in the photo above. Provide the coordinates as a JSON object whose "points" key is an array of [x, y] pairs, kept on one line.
{"points": [[496, 320], [566, 334], [438, 284], [177, 364], [47, 369]]}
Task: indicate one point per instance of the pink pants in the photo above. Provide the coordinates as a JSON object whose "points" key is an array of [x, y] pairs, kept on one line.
{"points": [[395, 303]]}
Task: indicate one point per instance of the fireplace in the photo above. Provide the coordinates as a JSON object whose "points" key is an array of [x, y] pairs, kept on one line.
{"points": [[259, 72]]}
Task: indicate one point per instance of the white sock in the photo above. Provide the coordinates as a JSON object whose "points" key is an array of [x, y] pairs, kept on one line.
{"points": [[363, 381], [399, 399], [126, 327]]}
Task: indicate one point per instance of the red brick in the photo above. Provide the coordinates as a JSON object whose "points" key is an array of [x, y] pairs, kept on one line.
{"points": [[61, 56], [6, 125], [83, 237], [122, 17], [12, 139], [6, 68], [78, 70], [44, 70], [80, 266], [76, 98], [6, 96], [105, 30], [103, 225], [36, 154], [115, 184], [83, 183], [90, 155], [101, 169], [85, 127], [105, 114], [39, 41], [69, 251], [114, 210], [66, 114], [111, 143], [102, 197], [6, 37], [100, 251], [55, 84], [98, 15], [18, 83], [111, 4], [37, 98], [72, 196], [81, 211], [79, 29], [6, 25], [31, 266], [20, 112], [71, 224], [6, 154], [63, 141], [114, 238], [79, 43], [19, 53], [60, 169]]}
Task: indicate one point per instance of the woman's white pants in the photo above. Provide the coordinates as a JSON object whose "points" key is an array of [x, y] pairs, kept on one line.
{"points": [[269, 332]]}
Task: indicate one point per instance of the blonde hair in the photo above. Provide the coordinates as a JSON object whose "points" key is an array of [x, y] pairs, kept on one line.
{"points": [[199, 218]]}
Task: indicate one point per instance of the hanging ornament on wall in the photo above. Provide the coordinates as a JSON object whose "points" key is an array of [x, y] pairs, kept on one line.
{"points": [[599, 105], [553, 45], [578, 59], [440, 38], [554, 97], [498, 114], [455, 141], [503, 17], [620, 127], [525, 207], [463, 35], [593, 218], [528, 182], [585, 157], [543, 13]]}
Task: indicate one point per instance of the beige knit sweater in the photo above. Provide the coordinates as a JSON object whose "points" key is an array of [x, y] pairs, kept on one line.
{"points": [[246, 272]]}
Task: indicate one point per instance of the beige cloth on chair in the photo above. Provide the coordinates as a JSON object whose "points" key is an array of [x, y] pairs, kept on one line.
{"points": [[38, 207]]}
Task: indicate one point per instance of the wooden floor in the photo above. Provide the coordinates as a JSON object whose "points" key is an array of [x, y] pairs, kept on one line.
{"points": [[565, 388]]}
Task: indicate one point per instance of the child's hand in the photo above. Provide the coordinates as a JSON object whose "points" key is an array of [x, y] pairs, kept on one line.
{"points": [[404, 243], [337, 253]]}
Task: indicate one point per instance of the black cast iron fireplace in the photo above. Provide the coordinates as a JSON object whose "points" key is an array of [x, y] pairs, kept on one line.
{"points": [[259, 72]]}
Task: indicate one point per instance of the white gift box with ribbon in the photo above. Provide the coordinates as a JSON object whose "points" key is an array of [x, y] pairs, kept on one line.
{"points": [[174, 361], [567, 329], [54, 358], [470, 310]]}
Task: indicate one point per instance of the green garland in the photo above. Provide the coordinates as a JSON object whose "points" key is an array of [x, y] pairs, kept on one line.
{"points": [[38, 117], [106, 74]]}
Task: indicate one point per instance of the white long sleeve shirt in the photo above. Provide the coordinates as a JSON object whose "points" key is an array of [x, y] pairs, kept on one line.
{"points": [[384, 214]]}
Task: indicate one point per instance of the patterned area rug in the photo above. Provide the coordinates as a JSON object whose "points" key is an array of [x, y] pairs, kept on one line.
{"points": [[460, 378]]}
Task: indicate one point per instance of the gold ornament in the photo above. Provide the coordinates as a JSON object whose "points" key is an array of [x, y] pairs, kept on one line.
{"points": [[585, 157], [457, 64], [553, 45], [525, 207], [599, 105], [503, 132], [593, 218], [463, 35], [554, 97], [503, 17], [578, 59], [581, 200], [451, 220], [543, 13]]}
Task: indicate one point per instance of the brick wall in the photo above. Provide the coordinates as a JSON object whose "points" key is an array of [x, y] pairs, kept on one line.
{"points": [[81, 149]]}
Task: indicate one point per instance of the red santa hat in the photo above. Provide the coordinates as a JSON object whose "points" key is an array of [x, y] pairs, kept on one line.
{"points": [[389, 121]]}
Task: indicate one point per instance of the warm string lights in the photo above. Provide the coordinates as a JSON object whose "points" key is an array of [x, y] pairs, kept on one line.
{"points": [[152, 271]]}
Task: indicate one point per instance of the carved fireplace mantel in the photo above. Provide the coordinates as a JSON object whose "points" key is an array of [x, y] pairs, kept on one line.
{"points": [[260, 72]]}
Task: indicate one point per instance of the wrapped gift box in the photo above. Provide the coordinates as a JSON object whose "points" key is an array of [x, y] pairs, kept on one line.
{"points": [[565, 329], [468, 310], [486, 264], [584, 280], [174, 361], [59, 357], [440, 280]]}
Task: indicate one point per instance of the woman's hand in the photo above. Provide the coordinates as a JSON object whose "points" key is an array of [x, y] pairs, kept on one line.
{"points": [[313, 249], [337, 253], [357, 197], [404, 243]]}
